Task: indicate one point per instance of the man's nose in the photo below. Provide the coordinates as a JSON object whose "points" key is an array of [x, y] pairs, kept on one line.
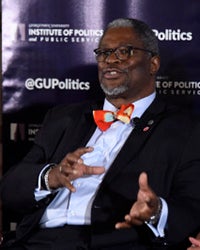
{"points": [[112, 58]]}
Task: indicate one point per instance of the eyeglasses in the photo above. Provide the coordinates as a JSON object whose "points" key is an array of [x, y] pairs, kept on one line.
{"points": [[122, 53]]}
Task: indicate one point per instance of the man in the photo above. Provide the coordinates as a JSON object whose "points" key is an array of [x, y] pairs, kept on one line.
{"points": [[122, 185]]}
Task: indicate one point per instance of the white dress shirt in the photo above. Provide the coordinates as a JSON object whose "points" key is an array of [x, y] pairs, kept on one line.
{"points": [[75, 208]]}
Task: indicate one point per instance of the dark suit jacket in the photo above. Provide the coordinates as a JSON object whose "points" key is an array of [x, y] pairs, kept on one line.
{"points": [[169, 151]]}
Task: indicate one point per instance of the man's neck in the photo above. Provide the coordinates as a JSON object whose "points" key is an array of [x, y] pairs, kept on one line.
{"points": [[118, 101]]}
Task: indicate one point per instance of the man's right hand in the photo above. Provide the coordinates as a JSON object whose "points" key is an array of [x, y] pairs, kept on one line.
{"points": [[71, 168]]}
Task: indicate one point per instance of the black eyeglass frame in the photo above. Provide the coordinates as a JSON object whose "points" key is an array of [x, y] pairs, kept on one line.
{"points": [[108, 52]]}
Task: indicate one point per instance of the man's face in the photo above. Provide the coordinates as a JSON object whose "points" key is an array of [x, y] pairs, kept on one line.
{"points": [[132, 78]]}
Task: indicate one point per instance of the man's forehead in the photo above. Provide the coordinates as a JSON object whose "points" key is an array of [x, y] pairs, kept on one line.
{"points": [[120, 35]]}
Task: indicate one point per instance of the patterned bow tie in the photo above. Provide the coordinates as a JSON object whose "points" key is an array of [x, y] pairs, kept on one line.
{"points": [[104, 118]]}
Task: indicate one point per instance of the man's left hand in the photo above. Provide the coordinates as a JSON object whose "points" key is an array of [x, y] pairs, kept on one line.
{"points": [[146, 205]]}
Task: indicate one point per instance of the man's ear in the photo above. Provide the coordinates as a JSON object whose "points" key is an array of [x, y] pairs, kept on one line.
{"points": [[155, 65]]}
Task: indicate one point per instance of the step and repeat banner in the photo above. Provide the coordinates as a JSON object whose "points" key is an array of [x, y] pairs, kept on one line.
{"points": [[47, 57]]}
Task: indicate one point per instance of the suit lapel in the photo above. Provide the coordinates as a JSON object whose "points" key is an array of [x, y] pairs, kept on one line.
{"points": [[83, 125], [137, 138], [88, 123]]}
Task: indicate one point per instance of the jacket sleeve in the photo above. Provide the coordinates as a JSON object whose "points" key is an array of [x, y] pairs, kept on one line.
{"points": [[184, 198], [18, 184]]}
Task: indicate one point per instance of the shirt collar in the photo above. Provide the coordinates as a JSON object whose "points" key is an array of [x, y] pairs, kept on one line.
{"points": [[139, 106]]}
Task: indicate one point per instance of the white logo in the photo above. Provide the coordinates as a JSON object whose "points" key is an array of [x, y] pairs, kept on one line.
{"points": [[173, 35], [53, 83]]}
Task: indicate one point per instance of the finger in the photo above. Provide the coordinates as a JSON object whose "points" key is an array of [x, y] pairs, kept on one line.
{"points": [[66, 179], [135, 219], [70, 186], [194, 241], [75, 157], [146, 193], [93, 170], [144, 189], [143, 182], [68, 171], [121, 225], [80, 170], [81, 151]]}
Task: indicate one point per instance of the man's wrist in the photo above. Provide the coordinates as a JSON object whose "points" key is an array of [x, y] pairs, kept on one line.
{"points": [[153, 220], [45, 177]]}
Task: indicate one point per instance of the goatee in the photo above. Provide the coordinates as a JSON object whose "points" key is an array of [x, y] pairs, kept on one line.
{"points": [[114, 91]]}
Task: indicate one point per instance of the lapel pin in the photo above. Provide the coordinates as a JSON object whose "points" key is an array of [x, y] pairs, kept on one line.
{"points": [[146, 129], [149, 123]]}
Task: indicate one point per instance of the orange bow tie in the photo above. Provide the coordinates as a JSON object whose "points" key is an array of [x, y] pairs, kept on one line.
{"points": [[104, 118]]}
